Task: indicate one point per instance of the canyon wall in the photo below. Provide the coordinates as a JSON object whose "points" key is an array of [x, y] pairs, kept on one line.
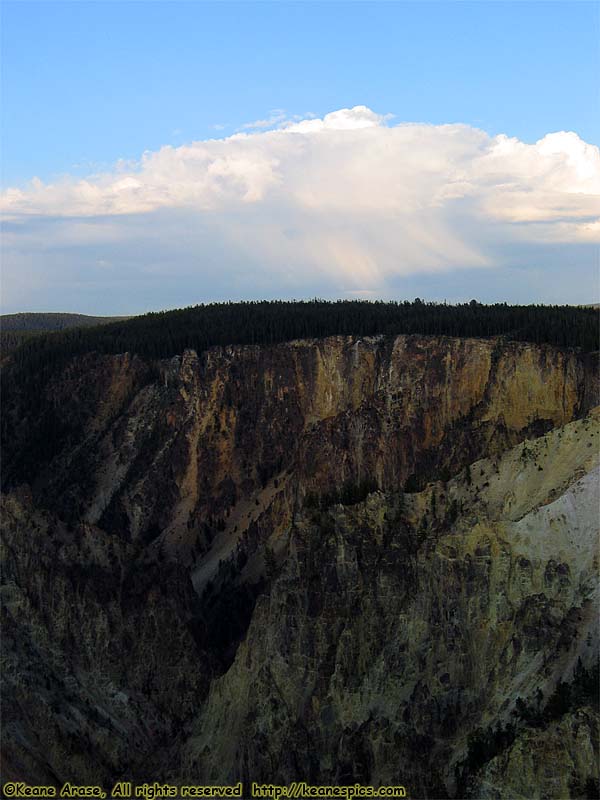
{"points": [[186, 597]]}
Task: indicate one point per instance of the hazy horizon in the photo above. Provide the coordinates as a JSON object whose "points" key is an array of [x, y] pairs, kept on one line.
{"points": [[299, 299]]}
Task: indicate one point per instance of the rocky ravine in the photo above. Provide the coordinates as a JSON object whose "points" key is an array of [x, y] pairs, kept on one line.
{"points": [[185, 598]]}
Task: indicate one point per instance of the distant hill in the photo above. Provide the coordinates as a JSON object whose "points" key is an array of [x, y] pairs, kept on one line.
{"points": [[17, 328], [50, 321]]}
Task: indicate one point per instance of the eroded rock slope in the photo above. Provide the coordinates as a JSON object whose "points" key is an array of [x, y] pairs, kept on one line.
{"points": [[367, 560]]}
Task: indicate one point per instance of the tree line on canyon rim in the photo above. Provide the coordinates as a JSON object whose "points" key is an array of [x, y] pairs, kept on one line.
{"points": [[158, 335], [167, 333]]}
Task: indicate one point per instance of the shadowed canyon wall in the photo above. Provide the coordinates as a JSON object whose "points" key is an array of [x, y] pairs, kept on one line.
{"points": [[186, 597]]}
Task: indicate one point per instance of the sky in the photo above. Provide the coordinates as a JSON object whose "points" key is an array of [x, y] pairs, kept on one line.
{"points": [[162, 154]]}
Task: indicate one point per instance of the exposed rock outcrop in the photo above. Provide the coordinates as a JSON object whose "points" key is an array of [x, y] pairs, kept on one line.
{"points": [[185, 597]]}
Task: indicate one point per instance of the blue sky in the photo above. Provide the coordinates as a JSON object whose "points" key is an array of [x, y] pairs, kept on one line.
{"points": [[87, 84], [103, 81]]}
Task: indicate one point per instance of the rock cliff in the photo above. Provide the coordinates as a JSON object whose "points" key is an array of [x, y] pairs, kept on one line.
{"points": [[334, 560]]}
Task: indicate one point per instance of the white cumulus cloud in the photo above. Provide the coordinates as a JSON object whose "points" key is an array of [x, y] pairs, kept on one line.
{"points": [[349, 201]]}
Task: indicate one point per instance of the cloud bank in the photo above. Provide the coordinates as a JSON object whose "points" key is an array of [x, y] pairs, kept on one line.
{"points": [[346, 204]]}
